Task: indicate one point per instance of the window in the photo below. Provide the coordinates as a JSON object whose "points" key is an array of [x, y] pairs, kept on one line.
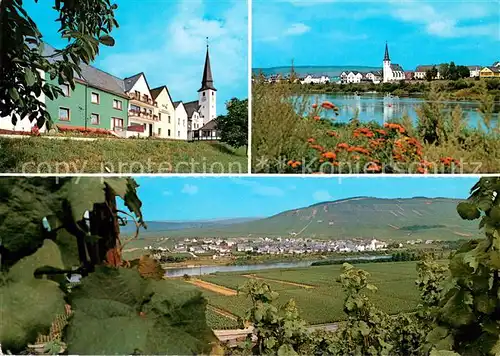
{"points": [[94, 119], [135, 108], [63, 114], [178, 121], [159, 116], [203, 93], [168, 132], [117, 104], [117, 123], [159, 131], [169, 119], [95, 98], [183, 122], [65, 89], [178, 134]]}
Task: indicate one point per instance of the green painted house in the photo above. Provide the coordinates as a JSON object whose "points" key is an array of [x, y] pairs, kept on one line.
{"points": [[98, 101]]}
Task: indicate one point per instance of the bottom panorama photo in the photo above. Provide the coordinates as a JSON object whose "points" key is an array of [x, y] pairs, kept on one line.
{"points": [[250, 265]]}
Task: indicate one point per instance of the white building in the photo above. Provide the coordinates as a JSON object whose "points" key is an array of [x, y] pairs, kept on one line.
{"points": [[165, 127], [420, 71], [207, 98], [181, 117], [391, 72], [354, 77], [474, 71], [142, 109], [310, 79]]}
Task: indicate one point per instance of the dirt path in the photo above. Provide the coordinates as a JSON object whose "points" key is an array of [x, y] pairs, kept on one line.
{"points": [[306, 286], [222, 312], [212, 287]]}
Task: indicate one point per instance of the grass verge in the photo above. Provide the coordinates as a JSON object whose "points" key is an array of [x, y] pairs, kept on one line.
{"points": [[43, 155]]}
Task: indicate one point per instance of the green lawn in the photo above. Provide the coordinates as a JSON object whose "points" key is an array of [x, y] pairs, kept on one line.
{"points": [[45, 155], [396, 293]]}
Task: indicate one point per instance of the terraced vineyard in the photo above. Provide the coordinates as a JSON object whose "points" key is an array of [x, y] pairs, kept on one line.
{"points": [[322, 303]]}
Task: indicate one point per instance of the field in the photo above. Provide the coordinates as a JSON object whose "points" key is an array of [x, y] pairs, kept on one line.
{"points": [[323, 302], [44, 155]]}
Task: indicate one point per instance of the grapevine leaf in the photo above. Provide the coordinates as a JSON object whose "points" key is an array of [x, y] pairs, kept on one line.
{"points": [[468, 211], [144, 316], [29, 305], [82, 193], [286, 350]]}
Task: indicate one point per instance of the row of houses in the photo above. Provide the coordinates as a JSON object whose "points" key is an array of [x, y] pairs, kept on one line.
{"points": [[390, 72], [128, 107]]}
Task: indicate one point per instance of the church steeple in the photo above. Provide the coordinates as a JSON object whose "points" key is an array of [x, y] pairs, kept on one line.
{"points": [[207, 82], [386, 56]]}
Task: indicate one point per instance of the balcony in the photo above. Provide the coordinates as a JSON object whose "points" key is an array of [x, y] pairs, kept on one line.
{"points": [[144, 99], [142, 114]]}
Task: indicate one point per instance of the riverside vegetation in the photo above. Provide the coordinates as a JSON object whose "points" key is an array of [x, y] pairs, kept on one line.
{"points": [[52, 228], [289, 136]]}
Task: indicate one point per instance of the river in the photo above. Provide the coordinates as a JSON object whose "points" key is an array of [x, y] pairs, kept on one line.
{"points": [[376, 107], [200, 270]]}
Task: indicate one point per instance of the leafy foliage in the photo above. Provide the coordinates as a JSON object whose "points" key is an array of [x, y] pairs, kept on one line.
{"points": [[23, 61], [116, 311], [233, 127], [468, 316], [28, 304]]}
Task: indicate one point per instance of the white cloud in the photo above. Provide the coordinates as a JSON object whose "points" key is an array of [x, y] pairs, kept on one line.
{"points": [[297, 29], [448, 20], [167, 193], [322, 195], [190, 189], [260, 189], [177, 59]]}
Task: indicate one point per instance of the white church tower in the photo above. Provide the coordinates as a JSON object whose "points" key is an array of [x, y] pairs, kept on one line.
{"points": [[387, 70], [207, 99]]}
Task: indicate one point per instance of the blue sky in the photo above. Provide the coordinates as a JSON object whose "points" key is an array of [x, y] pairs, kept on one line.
{"points": [[205, 198], [166, 40], [333, 32]]}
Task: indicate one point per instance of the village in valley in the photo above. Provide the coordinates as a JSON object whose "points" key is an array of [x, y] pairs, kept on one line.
{"points": [[392, 72], [218, 248]]}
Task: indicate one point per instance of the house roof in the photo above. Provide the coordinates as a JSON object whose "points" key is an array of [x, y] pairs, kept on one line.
{"points": [[496, 64], [211, 125], [397, 68], [92, 76], [130, 81], [474, 67], [156, 91], [177, 103], [191, 108], [494, 69], [208, 81]]}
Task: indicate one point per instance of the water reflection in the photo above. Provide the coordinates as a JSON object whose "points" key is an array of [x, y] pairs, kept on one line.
{"points": [[370, 107], [201, 270]]}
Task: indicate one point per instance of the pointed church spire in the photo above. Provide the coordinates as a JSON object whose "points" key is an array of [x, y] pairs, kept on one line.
{"points": [[386, 56], [207, 81]]}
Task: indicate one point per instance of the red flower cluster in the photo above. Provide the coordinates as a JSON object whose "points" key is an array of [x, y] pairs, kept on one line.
{"points": [[329, 106], [294, 164], [363, 131], [329, 155], [343, 145], [332, 133], [447, 161], [396, 127]]}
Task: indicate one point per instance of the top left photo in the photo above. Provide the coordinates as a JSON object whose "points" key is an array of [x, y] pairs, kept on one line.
{"points": [[120, 86]]}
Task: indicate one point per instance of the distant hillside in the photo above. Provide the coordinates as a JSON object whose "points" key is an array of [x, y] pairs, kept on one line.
{"points": [[362, 217], [163, 228], [331, 71]]}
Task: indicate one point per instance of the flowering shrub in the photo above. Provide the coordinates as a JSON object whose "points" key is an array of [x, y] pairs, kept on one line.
{"points": [[370, 147]]}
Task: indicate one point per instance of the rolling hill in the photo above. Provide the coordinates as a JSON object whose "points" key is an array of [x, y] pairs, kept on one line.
{"points": [[361, 217]]}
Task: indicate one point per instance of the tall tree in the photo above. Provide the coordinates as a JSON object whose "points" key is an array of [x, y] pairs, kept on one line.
{"points": [[444, 70], [85, 24], [463, 72], [453, 71], [233, 127]]}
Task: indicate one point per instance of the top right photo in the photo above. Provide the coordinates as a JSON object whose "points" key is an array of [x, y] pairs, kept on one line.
{"points": [[401, 87]]}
